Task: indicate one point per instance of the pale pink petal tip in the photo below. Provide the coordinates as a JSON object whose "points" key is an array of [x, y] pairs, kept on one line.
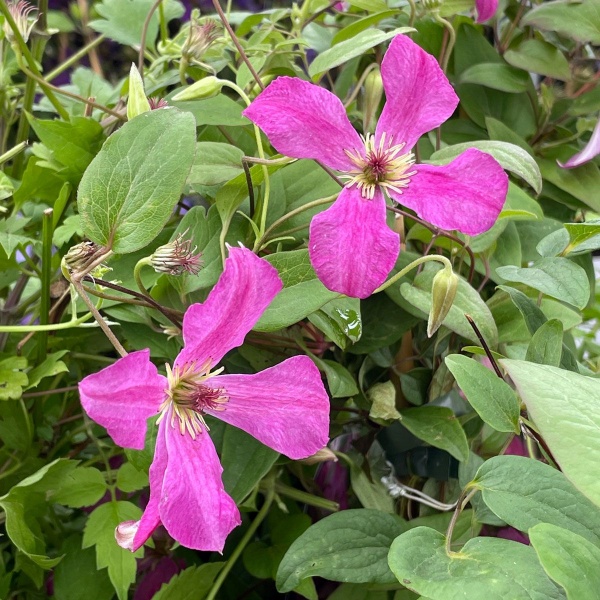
{"points": [[304, 120], [351, 247], [122, 396], [419, 96], [591, 150], [244, 290], [125, 532], [486, 9], [467, 194]]}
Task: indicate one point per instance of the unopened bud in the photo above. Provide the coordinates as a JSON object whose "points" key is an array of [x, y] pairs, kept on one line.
{"points": [[176, 257], [81, 256], [25, 21], [156, 103], [201, 37], [323, 455], [443, 292], [207, 87], [373, 95], [137, 103], [432, 6], [125, 534]]}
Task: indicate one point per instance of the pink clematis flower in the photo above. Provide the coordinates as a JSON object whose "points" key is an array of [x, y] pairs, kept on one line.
{"points": [[285, 407], [351, 247], [485, 9]]}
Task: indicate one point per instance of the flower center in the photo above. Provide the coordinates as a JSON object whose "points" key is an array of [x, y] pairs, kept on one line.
{"points": [[381, 165], [189, 397]]}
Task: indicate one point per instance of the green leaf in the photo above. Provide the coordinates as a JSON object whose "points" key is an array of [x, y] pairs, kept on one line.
{"points": [[50, 367], [89, 584], [129, 479], [100, 532], [524, 492], [557, 277], [581, 182], [490, 396], [467, 301], [539, 56], [350, 546], [245, 461], [302, 294], [483, 568], [215, 163], [339, 319], [220, 110], [340, 382], [583, 236], [438, 426], [497, 76], [73, 144], [129, 190], [123, 20], [359, 25], [348, 49], [565, 407], [577, 20], [569, 559], [511, 157], [12, 377], [533, 314], [383, 402], [192, 583], [545, 347], [82, 487], [519, 205], [25, 505]]}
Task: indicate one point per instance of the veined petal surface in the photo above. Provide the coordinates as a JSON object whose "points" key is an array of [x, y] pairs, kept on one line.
{"points": [[591, 150], [122, 396], [194, 506], [486, 9], [244, 290], [351, 247], [467, 194], [419, 96], [304, 120], [285, 407]]}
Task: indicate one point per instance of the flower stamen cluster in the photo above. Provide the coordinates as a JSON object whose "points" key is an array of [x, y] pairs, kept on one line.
{"points": [[189, 397], [20, 11], [380, 165], [177, 257], [200, 39]]}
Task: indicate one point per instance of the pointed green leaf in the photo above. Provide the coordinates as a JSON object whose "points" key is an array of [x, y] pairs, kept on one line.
{"points": [[545, 347]]}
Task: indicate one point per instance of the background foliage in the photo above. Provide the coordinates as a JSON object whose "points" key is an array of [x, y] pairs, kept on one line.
{"points": [[435, 503]]}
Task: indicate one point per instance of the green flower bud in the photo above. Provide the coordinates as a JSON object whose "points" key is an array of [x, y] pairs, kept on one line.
{"points": [[81, 256], [372, 98], [137, 103], [208, 87], [443, 292]]}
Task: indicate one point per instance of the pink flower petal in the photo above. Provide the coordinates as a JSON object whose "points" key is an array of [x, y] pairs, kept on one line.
{"points": [[194, 507], [134, 534], [419, 96], [351, 247], [123, 396], [591, 150], [304, 120], [285, 407], [466, 194], [486, 9], [243, 292]]}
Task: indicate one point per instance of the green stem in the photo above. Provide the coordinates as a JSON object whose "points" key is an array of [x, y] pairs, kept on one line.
{"points": [[13, 151], [451, 41], [412, 265], [464, 499], [261, 155], [47, 231], [74, 58], [259, 242], [306, 498], [260, 517], [52, 327], [99, 319], [137, 274], [22, 46]]}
